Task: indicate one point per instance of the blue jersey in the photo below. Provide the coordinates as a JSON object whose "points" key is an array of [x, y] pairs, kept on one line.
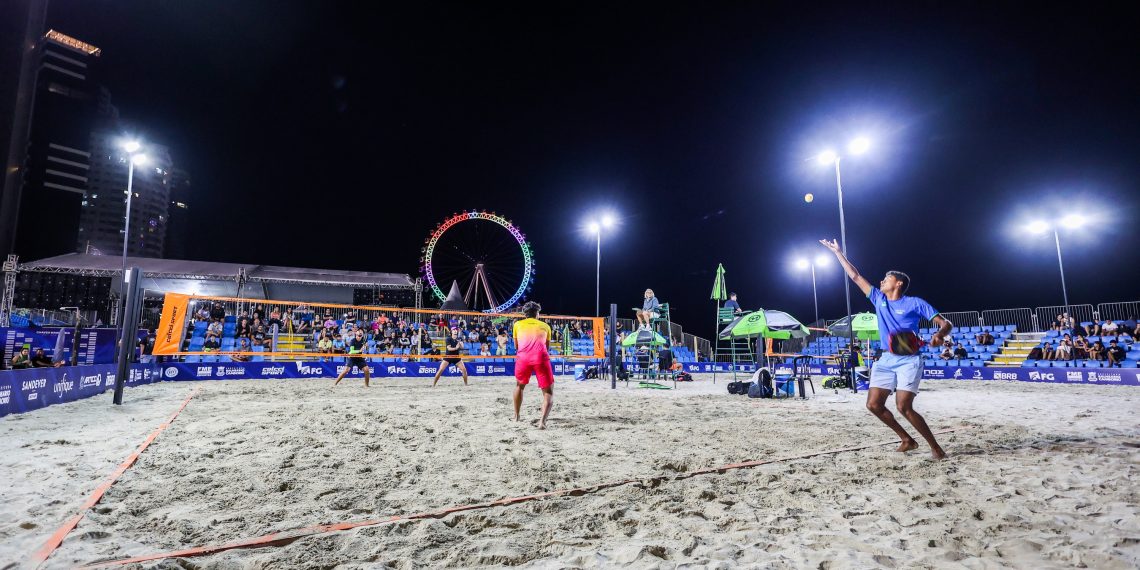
{"points": [[899, 316]]}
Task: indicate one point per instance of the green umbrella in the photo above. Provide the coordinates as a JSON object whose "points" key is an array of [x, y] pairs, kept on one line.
{"points": [[643, 336], [865, 325], [718, 292], [766, 323]]}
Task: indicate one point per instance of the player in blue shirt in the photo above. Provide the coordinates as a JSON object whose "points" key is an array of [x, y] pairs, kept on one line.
{"points": [[900, 367]]}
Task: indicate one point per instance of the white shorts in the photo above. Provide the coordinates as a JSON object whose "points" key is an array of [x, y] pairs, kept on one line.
{"points": [[894, 372]]}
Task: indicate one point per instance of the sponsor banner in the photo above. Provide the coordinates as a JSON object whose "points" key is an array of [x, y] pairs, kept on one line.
{"points": [[294, 369], [34, 388], [1126, 376], [96, 346], [172, 324]]}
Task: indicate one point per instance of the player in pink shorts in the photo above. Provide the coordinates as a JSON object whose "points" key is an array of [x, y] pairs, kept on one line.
{"points": [[531, 337]]}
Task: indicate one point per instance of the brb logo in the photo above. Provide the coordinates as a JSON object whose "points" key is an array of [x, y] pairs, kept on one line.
{"points": [[1041, 376], [1005, 376]]}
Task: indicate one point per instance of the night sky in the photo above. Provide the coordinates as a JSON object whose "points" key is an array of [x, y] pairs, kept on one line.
{"points": [[338, 137]]}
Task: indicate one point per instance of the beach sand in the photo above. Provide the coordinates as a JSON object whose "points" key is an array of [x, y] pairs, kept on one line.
{"points": [[1046, 477]]}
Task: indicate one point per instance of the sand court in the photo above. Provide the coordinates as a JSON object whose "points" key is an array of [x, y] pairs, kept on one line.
{"points": [[1044, 477]]}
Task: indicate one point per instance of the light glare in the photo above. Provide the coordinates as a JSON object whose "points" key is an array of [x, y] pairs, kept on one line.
{"points": [[802, 263], [823, 260], [132, 146], [1038, 227], [1073, 221], [608, 220], [138, 159], [594, 227], [859, 146], [827, 157]]}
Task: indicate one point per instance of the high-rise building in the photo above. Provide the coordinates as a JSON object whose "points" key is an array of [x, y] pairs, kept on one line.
{"points": [[178, 221], [21, 24], [66, 110], [101, 221]]}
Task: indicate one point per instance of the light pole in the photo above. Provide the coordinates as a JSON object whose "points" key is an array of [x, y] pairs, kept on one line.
{"points": [[133, 157], [803, 263], [595, 227], [1072, 221], [857, 146]]}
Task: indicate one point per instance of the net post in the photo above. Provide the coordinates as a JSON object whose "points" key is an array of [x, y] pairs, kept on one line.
{"points": [[613, 346], [128, 333]]}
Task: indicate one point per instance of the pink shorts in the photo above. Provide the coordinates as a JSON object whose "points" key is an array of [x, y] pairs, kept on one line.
{"points": [[539, 367]]}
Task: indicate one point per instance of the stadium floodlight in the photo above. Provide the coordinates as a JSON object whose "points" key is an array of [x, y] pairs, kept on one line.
{"points": [[607, 221], [139, 159], [859, 145], [803, 263], [1071, 221], [1037, 227], [823, 260], [132, 146]]}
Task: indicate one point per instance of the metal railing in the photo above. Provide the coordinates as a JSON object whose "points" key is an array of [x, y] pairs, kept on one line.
{"points": [[1125, 311], [960, 319], [1047, 316], [1023, 318]]}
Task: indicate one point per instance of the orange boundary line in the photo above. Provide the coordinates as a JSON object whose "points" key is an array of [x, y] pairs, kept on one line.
{"points": [[56, 539], [285, 537]]}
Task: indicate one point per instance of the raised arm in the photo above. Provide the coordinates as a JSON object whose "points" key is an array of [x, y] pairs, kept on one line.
{"points": [[863, 284], [944, 328]]}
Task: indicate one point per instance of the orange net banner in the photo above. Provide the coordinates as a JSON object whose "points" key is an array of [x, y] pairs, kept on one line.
{"points": [[243, 329]]}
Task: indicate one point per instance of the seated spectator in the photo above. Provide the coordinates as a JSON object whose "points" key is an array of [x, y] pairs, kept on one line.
{"points": [[1063, 322], [302, 326], [243, 329], [1064, 350], [214, 329], [1116, 353], [1036, 354], [324, 346], [960, 351], [1097, 352], [1109, 328], [203, 314], [1093, 329], [261, 337], [330, 324], [217, 312], [501, 342], [1136, 331], [21, 359], [259, 313], [338, 345], [211, 345], [947, 353], [1047, 351], [243, 346], [984, 338], [404, 341], [484, 349], [1080, 348], [41, 360]]}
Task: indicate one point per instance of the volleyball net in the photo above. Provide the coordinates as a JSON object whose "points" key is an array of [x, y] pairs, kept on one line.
{"points": [[206, 328]]}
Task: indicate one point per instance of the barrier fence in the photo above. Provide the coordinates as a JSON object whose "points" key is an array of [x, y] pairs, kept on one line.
{"points": [[1047, 316], [1128, 310], [960, 319], [1022, 318]]}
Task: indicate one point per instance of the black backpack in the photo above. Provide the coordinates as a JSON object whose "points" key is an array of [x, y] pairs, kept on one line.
{"points": [[762, 387], [738, 387]]}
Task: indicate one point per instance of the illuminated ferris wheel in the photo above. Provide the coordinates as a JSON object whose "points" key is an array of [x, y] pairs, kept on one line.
{"points": [[485, 254]]}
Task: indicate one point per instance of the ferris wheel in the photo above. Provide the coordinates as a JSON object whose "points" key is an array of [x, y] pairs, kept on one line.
{"points": [[485, 254]]}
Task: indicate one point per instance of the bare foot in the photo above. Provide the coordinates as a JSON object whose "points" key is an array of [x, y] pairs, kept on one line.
{"points": [[937, 454], [541, 425], [907, 445]]}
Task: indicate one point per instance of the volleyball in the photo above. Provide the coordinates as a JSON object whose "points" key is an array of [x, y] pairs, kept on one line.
{"points": [[808, 198]]}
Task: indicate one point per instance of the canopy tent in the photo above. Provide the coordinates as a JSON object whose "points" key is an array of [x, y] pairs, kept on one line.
{"points": [[229, 279], [454, 300], [765, 323], [865, 326]]}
